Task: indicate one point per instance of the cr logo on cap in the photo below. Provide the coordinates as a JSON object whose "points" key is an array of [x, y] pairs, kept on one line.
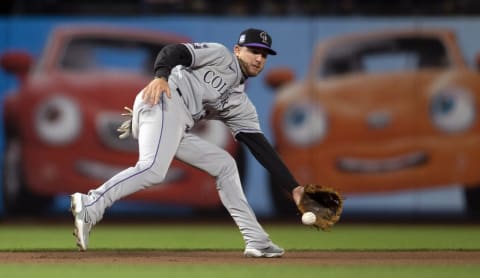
{"points": [[264, 37]]}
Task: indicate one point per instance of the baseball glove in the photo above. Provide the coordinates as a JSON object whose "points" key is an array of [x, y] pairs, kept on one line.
{"points": [[125, 129], [325, 202]]}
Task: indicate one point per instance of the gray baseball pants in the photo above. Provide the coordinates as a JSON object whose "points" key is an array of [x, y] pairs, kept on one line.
{"points": [[160, 130]]}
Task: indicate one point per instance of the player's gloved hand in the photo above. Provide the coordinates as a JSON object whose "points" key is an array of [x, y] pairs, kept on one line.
{"points": [[325, 202], [125, 129]]}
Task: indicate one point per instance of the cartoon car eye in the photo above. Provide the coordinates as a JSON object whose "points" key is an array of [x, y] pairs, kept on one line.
{"points": [[213, 131], [58, 120], [452, 110], [304, 124]]}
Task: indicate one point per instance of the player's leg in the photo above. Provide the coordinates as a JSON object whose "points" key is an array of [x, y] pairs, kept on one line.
{"points": [[160, 129], [220, 164]]}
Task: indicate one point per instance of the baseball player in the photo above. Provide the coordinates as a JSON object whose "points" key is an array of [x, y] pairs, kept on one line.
{"points": [[195, 81]]}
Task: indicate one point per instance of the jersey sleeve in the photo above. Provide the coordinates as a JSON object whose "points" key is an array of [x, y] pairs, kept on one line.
{"points": [[263, 151], [169, 57], [208, 53], [240, 115]]}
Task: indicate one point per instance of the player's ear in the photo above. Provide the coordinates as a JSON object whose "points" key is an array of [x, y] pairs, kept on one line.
{"points": [[236, 50]]}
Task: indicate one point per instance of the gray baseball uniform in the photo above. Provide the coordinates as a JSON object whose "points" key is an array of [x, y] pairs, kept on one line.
{"points": [[212, 88]]}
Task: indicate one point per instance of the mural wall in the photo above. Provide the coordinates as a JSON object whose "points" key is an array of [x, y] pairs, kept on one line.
{"points": [[385, 110]]}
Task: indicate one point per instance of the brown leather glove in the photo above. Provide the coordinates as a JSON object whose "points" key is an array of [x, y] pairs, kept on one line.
{"points": [[323, 201]]}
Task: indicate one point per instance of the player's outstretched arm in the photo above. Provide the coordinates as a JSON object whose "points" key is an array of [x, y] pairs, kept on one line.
{"points": [[264, 153], [323, 202]]}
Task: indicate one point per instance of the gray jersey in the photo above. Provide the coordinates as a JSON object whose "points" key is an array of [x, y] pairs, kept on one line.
{"points": [[212, 87]]}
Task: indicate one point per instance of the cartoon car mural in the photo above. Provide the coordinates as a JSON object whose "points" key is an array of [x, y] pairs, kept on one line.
{"points": [[60, 125], [382, 111]]}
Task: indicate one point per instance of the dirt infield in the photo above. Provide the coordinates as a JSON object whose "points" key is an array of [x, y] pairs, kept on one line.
{"points": [[235, 257]]}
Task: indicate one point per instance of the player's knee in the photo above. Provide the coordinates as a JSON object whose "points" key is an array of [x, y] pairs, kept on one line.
{"points": [[156, 178], [227, 166], [151, 174], [156, 175]]}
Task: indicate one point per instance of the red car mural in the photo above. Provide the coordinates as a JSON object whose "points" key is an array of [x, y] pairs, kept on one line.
{"points": [[382, 111], [60, 125]]}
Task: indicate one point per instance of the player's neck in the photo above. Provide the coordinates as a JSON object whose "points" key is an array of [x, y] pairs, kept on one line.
{"points": [[243, 69]]}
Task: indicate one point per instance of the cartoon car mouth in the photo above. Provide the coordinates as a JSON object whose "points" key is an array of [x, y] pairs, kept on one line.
{"points": [[357, 165], [101, 171]]}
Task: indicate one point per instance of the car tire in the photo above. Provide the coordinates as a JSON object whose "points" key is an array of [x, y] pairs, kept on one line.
{"points": [[472, 200], [16, 196]]}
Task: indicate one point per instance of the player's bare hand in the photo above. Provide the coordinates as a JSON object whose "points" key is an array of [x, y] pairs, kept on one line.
{"points": [[154, 90]]}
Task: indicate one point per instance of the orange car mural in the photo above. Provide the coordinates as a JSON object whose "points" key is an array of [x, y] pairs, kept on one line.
{"points": [[61, 122], [382, 111]]}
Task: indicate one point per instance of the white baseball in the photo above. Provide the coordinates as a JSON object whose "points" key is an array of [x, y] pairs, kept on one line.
{"points": [[308, 218]]}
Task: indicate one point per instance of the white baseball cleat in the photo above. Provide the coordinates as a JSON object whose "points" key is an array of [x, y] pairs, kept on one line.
{"points": [[82, 227], [272, 251]]}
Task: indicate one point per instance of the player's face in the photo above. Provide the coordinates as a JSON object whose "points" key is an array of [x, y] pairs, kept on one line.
{"points": [[252, 59]]}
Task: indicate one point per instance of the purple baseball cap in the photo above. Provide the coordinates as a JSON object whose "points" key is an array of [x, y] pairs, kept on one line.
{"points": [[256, 38]]}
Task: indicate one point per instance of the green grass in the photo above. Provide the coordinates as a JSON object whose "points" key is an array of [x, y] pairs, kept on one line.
{"points": [[227, 237], [233, 271]]}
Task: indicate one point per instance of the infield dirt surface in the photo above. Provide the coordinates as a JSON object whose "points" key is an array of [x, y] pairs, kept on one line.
{"points": [[236, 257]]}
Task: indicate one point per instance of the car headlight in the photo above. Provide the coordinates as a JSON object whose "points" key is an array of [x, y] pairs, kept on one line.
{"points": [[58, 120], [304, 123], [452, 109]]}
